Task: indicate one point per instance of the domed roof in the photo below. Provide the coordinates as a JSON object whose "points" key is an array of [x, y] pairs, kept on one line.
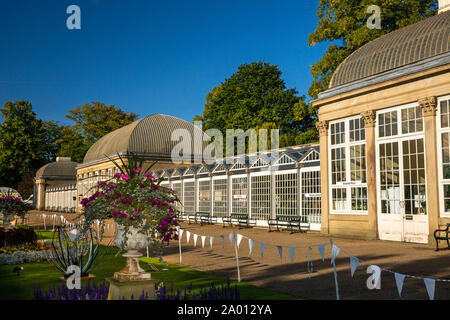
{"points": [[420, 41], [150, 135], [61, 167]]}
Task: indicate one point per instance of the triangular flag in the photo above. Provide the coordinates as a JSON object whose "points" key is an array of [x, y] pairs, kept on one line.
{"points": [[211, 240], [263, 245], [230, 237], [188, 236], [321, 248], [280, 251], [292, 251], [195, 240], [354, 261], [334, 253], [203, 241], [238, 239], [223, 241], [180, 233], [399, 279], [430, 284], [251, 242]]}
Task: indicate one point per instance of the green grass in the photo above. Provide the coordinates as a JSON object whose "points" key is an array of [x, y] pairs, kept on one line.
{"points": [[182, 277]]}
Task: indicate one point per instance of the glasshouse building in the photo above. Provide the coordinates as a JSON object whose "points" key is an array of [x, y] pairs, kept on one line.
{"points": [[262, 186]]}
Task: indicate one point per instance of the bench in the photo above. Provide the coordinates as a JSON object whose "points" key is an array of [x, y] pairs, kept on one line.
{"points": [[442, 234], [240, 219], [294, 223], [205, 218], [191, 217]]}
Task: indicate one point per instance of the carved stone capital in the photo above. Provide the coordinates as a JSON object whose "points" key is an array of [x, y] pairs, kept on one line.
{"points": [[322, 127], [429, 106], [369, 117]]}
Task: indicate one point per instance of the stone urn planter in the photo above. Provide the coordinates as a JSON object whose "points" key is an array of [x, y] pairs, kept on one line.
{"points": [[7, 218], [135, 241]]}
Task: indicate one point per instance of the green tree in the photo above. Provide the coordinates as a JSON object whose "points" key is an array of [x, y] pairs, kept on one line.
{"points": [[253, 97], [52, 132], [343, 23], [20, 142], [92, 121]]}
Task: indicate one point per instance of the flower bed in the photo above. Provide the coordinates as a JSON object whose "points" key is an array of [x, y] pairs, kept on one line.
{"points": [[26, 253]]}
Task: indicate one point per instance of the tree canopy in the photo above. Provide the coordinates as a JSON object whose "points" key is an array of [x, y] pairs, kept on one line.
{"points": [[256, 97], [21, 139], [92, 121], [343, 23]]}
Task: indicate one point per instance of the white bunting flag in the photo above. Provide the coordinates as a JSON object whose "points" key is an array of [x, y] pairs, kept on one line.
{"points": [[230, 237], [203, 241], [263, 245], [292, 251], [334, 253], [251, 242], [180, 233], [280, 252], [399, 279], [223, 241], [188, 236], [238, 239], [195, 240], [354, 261], [321, 248], [211, 240], [430, 284]]}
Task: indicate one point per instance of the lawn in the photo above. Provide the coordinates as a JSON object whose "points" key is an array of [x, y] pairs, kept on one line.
{"points": [[21, 287]]}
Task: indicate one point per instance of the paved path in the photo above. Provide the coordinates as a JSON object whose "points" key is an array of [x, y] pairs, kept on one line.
{"points": [[294, 279]]}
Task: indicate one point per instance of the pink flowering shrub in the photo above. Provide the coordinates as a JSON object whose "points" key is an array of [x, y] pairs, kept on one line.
{"points": [[134, 198]]}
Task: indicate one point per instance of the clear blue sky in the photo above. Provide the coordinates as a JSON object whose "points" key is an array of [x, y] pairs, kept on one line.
{"points": [[147, 56]]}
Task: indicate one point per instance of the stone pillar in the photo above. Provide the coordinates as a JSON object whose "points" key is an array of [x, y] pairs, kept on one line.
{"points": [[40, 199], [371, 176], [429, 106], [322, 126]]}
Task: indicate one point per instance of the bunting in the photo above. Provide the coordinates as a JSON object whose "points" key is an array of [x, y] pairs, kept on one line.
{"points": [[211, 240], [238, 239], [203, 241], [292, 251], [251, 242], [280, 252], [399, 280], [195, 240], [263, 245], [353, 264], [430, 285]]}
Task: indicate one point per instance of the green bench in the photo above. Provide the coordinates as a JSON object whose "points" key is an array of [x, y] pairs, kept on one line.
{"points": [[240, 219], [442, 234], [294, 223], [205, 218]]}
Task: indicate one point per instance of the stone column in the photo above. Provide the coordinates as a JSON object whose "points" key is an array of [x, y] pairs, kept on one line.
{"points": [[322, 126], [369, 118], [429, 106], [40, 199]]}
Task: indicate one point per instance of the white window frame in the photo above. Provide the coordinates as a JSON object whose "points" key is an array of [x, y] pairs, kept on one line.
{"points": [[313, 226], [227, 193], [233, 177], [286, 172], [184, 190], [346, 144], [442, 181], [260, 222], [197, 193]]}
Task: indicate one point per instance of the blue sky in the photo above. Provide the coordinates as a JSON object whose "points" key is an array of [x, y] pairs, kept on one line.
{"points": [[147, 56]]}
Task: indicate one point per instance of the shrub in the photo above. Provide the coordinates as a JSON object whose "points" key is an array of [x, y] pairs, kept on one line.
{"points": [[17, 236]]}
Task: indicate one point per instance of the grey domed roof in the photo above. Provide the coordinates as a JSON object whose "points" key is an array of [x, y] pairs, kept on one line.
{"points": [[63, 167], [417, 42], [150, 135]]}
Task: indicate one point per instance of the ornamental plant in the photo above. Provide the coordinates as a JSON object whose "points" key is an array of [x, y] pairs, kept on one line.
{"points": [[11, 206], [133, 198]]}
